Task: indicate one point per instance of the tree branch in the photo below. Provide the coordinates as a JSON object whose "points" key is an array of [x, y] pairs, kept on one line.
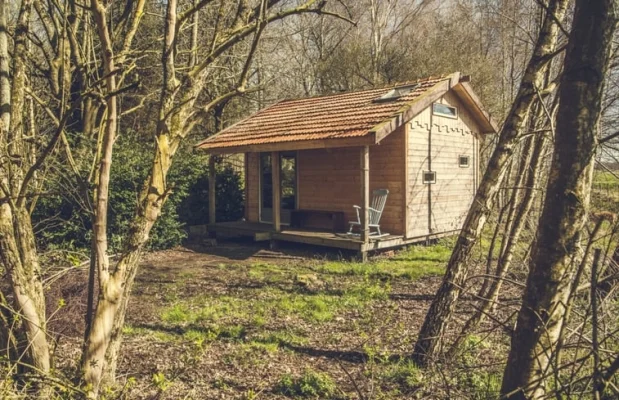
{"points": [[41, 159]]}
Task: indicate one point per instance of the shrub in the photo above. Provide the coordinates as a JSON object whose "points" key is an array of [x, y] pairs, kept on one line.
{"points": [[229, 206], [62, 222]]}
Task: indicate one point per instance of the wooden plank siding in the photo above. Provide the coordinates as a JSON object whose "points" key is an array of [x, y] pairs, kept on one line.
{"points": [[417, 206], [442, 206], [387, 171], [329, 179]]}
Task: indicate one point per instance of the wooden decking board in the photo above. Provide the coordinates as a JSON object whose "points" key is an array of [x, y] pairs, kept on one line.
{"points": [[262, 231]]}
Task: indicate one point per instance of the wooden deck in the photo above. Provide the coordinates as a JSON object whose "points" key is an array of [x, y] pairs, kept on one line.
{"points": [[264, 232]]}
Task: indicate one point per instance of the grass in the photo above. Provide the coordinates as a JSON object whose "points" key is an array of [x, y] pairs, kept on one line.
{"points": [[605, 178], [272, 313], [405, 374], [277, 294], [311, 384], [413, 263]]}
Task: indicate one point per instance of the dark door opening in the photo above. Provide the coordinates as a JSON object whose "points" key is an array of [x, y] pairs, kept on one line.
{"points": [[288, 186]]}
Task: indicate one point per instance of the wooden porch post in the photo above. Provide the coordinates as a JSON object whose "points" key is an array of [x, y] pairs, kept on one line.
{"points": [[212, 185], [365, 194], [275, 168]]}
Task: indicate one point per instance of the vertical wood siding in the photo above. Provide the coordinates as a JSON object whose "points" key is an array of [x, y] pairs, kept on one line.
{"points": [[417, 207], [330, 179], [387, 171], [451, 195]]}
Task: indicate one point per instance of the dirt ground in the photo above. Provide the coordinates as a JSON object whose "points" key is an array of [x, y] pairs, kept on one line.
{"points": [[238, 321]]}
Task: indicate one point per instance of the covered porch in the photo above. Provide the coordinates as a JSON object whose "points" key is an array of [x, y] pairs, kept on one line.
{"points": [[273, 188]]}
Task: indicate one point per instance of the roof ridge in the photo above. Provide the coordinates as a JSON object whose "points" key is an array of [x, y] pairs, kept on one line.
{"points": [[386, 86]]}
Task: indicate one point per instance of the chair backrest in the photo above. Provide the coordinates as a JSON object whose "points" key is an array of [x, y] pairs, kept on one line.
{"points": [[379, 199]]}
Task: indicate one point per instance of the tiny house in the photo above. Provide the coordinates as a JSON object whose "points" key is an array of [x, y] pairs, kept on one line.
{"points": [[309, 161]]}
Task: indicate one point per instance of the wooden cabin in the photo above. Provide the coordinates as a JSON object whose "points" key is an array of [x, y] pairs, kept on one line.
{"points": [[308, 161]]}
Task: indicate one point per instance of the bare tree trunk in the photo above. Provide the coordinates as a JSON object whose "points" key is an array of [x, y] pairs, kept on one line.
{"points": [[430, 337], [154, 192], [557, 250], [100, 359], [5, 84], [109, 286], [17, 245]]}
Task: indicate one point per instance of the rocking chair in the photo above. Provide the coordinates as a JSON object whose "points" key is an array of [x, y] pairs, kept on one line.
{"points": [[375, 211]]}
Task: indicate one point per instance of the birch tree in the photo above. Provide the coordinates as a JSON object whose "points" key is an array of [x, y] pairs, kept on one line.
{"points": [[430, 337], [557, 250]]}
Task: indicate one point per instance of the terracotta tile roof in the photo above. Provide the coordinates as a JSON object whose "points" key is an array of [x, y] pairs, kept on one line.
{"points": [[337, 116]]}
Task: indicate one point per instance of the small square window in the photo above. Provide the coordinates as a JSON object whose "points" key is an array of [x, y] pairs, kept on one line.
{"points": [[444, 110], [464, 161], [429, 177]]}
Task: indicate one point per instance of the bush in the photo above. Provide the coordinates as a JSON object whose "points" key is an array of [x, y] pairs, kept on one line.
{"points": [[62, 223], [229, 206]]}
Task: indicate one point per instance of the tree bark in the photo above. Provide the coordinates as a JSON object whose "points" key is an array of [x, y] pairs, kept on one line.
{"points": [[429, 340], [109, 286], [557, 250], [18, 252]]}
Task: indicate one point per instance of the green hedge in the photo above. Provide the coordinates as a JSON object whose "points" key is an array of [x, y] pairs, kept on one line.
{"points": [[62, 223]]}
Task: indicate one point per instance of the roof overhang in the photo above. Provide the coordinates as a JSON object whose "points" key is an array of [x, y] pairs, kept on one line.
{"points": [[366, 140], [467, 95], [410, 111]]}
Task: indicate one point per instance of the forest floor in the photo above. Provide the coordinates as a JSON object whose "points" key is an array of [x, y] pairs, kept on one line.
{"points": [[237, 321]]}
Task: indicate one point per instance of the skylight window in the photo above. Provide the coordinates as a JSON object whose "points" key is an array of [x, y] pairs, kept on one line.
{"points": [[396, 93]]}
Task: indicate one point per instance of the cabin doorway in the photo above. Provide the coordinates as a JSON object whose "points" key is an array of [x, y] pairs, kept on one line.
{"points": [[288, 186]]}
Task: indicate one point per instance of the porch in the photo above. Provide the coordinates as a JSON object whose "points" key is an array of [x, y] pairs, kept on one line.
{"points": [[265, 232]]}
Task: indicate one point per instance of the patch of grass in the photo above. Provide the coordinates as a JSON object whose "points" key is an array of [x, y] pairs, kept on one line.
{"points": [[412, 263], [311, 308], [233, 332], [269, 302], [201, 310], [178, 313], [323, 307], [264, 347], [605, 177], [200, 336], [480, 383], [164, 336], [131, 330], [439, 252], [405, 374], [185, 275], [310, 384]]}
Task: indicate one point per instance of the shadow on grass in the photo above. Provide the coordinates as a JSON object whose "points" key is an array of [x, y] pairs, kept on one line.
{"points": [[351, 356], [215, 331], [412, 296]]}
